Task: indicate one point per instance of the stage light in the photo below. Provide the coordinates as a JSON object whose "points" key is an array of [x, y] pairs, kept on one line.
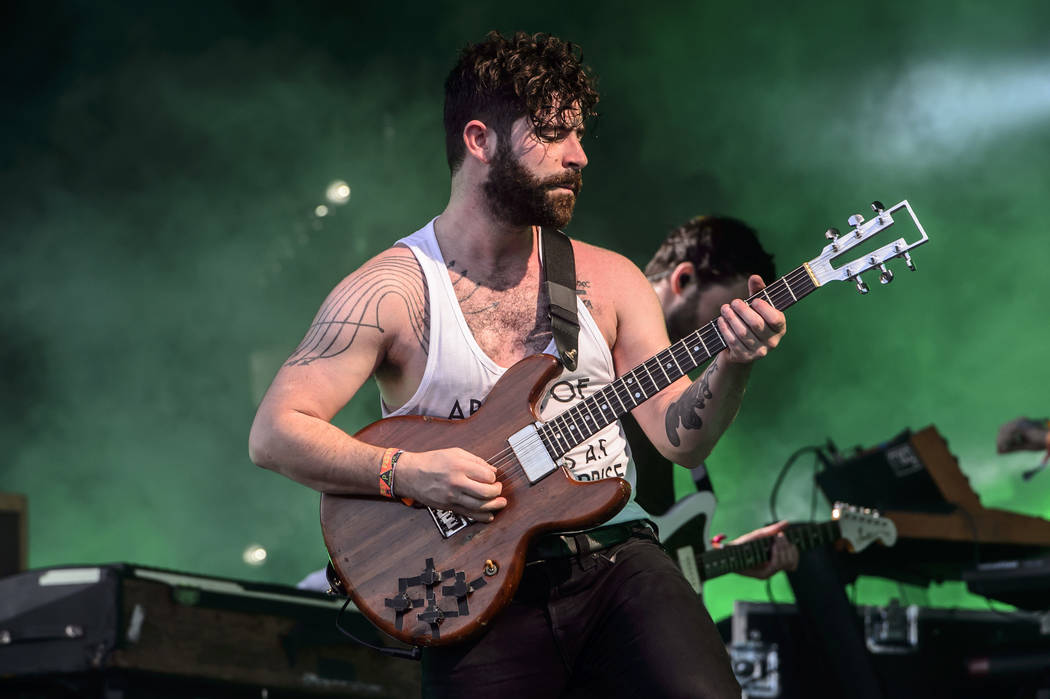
{"points": [[254, 555], [944, 110], [321, 211], [338, 193]]}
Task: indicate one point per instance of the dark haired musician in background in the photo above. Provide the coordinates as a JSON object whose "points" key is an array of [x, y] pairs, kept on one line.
{"points": [[438, 317], [700, 266]]}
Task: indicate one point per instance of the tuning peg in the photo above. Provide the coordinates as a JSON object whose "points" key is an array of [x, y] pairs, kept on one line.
{"points": [[831, 233], [877, 206], [886, 276], [907, 261], [855, 220], [861, 286]]}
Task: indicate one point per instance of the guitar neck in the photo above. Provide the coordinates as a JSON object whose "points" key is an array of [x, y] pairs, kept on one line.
{"points": [[638, 385], [737, 557]]}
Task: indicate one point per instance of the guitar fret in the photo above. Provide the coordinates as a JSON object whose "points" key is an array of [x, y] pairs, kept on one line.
{"points": [[563, 443], [576, 425], [595, 414], [667, 365], [545, 439], [718, 336], [603, 403], [700, 336], [658, 363], [588, 415], [686, 361], [616, 393], [648, 373], [632, 380], [561, 424], [665, 368]]}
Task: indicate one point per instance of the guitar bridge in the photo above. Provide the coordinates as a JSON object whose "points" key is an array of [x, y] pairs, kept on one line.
{"points": [[531, 453], [448, 522]]}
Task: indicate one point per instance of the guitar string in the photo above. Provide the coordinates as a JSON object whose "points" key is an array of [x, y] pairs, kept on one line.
{"points": [[505, 460], [781, 292], [507, 457]]}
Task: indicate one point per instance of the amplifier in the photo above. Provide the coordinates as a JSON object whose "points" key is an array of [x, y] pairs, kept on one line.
{"points": [[917, 652], [1023, 583], [160, 633]]}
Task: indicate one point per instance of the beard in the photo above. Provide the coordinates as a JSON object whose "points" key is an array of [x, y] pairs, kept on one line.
{"points": [[518, 198]]}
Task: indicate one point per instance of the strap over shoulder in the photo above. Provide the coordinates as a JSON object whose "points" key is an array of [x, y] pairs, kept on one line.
{"points": [[559, 269]]}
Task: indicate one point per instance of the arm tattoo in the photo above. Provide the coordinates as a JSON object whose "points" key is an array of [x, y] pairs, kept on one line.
{"points": [[686, 410], [355, 305]]}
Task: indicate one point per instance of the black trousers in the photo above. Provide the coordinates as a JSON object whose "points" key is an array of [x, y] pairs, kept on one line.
{"points": [[621, 622]]}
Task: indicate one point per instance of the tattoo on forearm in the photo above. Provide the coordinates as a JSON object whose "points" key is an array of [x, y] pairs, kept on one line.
{"points": [[355, 306], [686, 410]]}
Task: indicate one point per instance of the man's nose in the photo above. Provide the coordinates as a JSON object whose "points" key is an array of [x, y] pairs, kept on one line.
{"points": [[574, 156]]}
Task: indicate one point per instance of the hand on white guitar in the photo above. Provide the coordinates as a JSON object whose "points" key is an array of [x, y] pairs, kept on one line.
{"points": [[1023, 434], [450, 479], [784, 555]]}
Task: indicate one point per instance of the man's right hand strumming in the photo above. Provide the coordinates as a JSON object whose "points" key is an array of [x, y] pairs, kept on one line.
{"points": [[451, 479]]}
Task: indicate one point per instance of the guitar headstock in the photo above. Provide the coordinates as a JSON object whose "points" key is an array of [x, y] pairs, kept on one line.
{"points": [[861, 526], [822, 268]]}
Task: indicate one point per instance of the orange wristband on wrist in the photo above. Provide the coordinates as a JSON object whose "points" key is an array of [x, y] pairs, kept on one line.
{"points": [[386, 473]]}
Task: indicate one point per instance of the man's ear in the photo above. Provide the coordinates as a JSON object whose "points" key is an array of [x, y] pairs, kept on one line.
{"points": [[480, 141], [682, 276]]}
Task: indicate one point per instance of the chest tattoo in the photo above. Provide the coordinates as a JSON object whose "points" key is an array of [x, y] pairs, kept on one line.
{"points": [[508, 321]]}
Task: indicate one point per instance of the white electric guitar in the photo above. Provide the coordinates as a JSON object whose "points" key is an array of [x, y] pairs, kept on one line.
{"points": [[685, 527]]}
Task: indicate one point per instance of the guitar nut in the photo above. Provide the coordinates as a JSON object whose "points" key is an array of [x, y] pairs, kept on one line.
{"points": [[491, 568]]}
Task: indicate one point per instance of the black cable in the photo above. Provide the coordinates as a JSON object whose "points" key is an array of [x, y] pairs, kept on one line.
{"points": [[413, 653]]}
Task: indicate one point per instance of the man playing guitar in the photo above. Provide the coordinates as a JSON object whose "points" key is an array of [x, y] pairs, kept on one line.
{"points": [[701, 265], [437, 317]]}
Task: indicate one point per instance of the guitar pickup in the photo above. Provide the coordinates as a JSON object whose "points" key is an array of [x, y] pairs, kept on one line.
{"points": [[531, 453]]}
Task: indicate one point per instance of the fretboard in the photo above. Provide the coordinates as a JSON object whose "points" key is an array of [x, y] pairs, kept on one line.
{"points": [[737, 557], [641, 383]]}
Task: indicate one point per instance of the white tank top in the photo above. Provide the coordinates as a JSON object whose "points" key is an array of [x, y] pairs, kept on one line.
{"points": [[459, 375]]}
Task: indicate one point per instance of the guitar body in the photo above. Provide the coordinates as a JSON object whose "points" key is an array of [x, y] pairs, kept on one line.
{"points": [[425, 589]]}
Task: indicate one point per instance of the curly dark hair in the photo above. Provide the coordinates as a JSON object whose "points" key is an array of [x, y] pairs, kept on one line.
{"points": [[719, 247], [500, 80]]}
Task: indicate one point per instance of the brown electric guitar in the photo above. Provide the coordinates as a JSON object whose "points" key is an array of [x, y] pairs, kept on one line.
{"points": [[430, 577]]}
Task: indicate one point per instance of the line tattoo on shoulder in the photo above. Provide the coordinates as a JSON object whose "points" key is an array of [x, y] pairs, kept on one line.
{"points": [[354, 306], [686, 410]]}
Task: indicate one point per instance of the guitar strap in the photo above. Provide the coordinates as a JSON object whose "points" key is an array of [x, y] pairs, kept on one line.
{"points": [[559, 269]]}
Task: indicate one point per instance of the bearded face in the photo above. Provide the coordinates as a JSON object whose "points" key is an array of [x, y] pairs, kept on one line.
{"points": [[517, 197]]}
